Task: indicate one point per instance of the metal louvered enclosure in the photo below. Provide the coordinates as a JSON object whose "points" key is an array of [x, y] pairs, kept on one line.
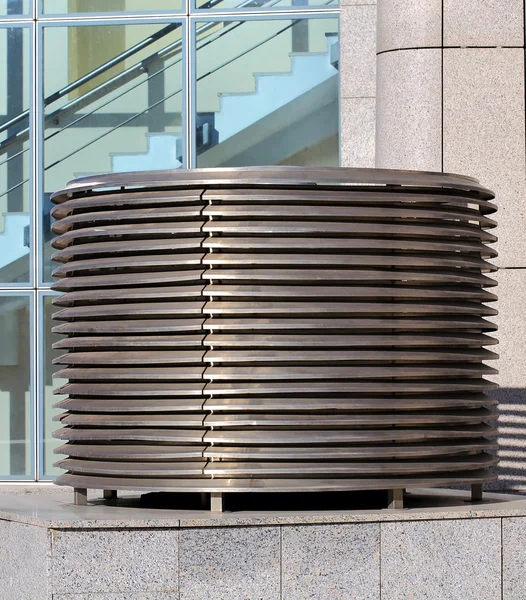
{"points": [[274, 329]]}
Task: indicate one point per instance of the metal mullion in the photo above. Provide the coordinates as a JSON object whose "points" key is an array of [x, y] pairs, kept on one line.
{"points": [[35, 378], [253, 15], [33, 160], [40, 388], [339, 98], [117, 19], [39, 352], [200, 14], [17, 20], [191, 104], [37, 133]]}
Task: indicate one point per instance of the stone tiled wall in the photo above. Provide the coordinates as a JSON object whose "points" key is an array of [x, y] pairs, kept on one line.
{"points": [[358, 82], [450, 97], [472, 559]]}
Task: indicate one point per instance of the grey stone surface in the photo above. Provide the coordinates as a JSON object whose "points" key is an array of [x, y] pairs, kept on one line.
{"points": [[357, 132], [450, 560], [118, 561], [331, 561], [483, 23], [513, 559], [357, 51], [422, 504], [24, 562], [409, 110], [230, 563], [127, 596], [484, 134], [409, 24]]}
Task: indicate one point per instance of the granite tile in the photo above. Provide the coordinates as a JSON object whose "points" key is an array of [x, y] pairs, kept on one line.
{"points": [[357, 132], [231, 563], [409, 110], [409, 24], [115, 561], [331, 561], [24, 562], [483, 23], [484, 124], [447, 560], [357, 51], [513, 558], [127, 596], [422, 504]]}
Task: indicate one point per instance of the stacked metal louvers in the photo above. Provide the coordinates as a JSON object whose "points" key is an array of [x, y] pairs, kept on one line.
{"points": [[274, 329]]}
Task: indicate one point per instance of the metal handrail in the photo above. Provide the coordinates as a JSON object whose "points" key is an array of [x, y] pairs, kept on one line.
{"points": [[120, 58], [117, 80], [126, 121], [96, 72], [130, 74]]}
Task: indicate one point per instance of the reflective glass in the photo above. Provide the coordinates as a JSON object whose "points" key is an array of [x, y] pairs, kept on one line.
{"points": [[114, 99], [267, 93], [16, 431], [15, 195], [49, 384], [54, 7], [14, 7]]}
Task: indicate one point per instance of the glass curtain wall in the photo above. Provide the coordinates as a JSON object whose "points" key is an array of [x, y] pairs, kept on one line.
{"points": [[98, 86]]}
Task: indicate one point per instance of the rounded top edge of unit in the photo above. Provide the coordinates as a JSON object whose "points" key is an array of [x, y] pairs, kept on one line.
{"points": [[304, 177]]}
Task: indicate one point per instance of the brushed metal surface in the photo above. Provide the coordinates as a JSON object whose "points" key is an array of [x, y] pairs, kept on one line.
{"points": [[274, 329]]}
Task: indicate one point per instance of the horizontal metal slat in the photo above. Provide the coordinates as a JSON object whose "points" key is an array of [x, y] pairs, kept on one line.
{"points": [[148, 326], [182, 229], [306, 403], [337, 243], [347, 436], [121, 216], [126, 279], [143, 309], [342, 420], [275, 485], [142, 198], [373, 291], [449, 341], [131, 341]]}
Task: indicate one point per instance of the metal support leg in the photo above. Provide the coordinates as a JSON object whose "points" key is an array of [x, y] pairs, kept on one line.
{"points": [[80, 496], [396, 498], [216, 501], [110, 494], [476, 492]]}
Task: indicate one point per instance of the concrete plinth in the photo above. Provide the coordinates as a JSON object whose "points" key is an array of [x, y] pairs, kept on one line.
{"points": [[440, 547]]}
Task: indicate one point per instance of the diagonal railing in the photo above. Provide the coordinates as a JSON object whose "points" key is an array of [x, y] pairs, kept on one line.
{"points": [[116, 81], [123, 78]]}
